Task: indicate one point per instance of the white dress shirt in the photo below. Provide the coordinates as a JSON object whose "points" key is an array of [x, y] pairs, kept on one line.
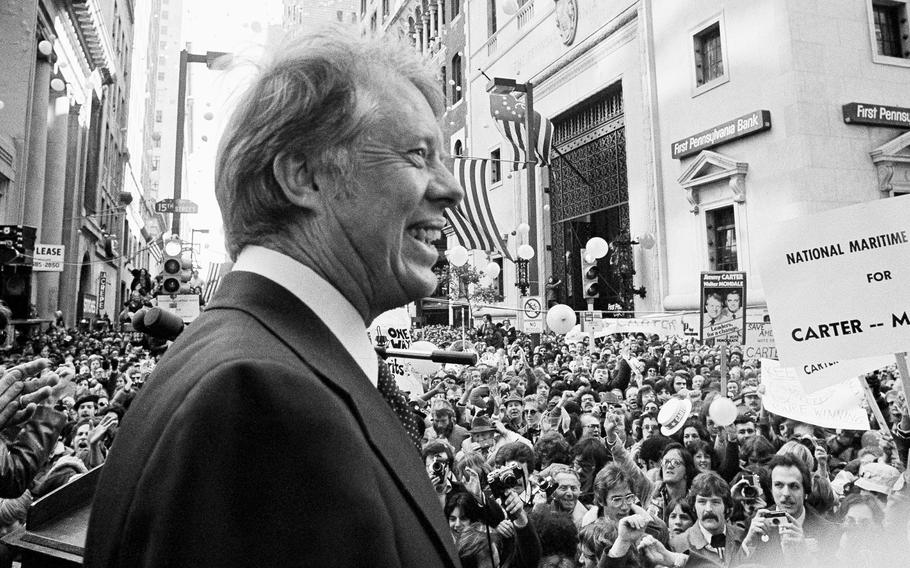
{"points": [[335, 311]]}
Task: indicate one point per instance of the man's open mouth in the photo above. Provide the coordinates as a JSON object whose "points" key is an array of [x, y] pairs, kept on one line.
{"points": [[426, 234]]}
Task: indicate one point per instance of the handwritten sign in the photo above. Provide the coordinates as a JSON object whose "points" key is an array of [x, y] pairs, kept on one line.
{"points": [[836, 282], [837, 406], [395, 327], [662, 326]]}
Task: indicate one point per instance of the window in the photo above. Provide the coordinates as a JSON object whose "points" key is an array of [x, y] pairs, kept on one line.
{"points": [[385, 9], [491, 17], [495, 166], [456, 7], [161, 76], [709, 59], [339, 15], [155, 162], [373, 23], [459, 148], [888, 19], [498, 283], [456, 78], [722, 238], [162, 45], [159, 116], [363, 7]]}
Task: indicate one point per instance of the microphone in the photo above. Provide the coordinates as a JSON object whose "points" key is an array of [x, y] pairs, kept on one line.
{"points": [[436, 356]]}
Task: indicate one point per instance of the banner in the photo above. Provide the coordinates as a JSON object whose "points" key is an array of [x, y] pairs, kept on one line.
{"points": [[837, 406], [723, 308], [661, 326], [836, 282], [759, 341]]}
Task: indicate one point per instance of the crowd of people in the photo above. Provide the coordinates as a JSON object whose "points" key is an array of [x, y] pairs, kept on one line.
{"points": [[605, 453], [559, 454]]}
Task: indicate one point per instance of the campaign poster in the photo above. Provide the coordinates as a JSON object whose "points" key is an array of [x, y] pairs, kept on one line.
{"points": [[723, 308], [836, 282]]}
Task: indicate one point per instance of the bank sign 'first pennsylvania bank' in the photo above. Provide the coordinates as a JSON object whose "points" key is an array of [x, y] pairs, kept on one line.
{"points": [[745, 125]]}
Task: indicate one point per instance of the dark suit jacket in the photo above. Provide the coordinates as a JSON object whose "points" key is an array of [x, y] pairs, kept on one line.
{"points": [[258, 441], [693, 543]]}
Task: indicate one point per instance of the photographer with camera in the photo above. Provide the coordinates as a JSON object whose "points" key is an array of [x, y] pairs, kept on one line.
{"points": [[562, 489], [520, 545], [791, 532], [438, 458]]}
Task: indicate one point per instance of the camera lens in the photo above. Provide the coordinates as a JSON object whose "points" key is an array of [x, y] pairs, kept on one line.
{"points": [[750, 492]]}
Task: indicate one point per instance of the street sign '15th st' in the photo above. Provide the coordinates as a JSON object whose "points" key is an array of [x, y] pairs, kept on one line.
{"points": [[176, 206]]}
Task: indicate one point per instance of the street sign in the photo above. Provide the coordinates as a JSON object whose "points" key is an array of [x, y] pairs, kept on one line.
{"points": [[48, 258], [532, 307], [176, 206], [186, 306]]}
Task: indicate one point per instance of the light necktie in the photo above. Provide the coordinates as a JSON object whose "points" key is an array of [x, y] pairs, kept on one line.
{"points": [[399, 403]]}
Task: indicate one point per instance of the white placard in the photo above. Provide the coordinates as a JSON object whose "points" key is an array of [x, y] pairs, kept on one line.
{"points": [[395, 326], [837, 282], [48, 258], [661, 326], [184, 305], [837, 406]]}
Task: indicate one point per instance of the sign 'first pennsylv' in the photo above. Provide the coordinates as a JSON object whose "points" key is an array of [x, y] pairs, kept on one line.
{"points": [[837, 282]]}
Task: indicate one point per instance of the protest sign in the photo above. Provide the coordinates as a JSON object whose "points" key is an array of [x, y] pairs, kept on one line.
{"points": [[836, 282], [837, 406], [394, 327], [665, 326], [723, 308], [759, 341]]}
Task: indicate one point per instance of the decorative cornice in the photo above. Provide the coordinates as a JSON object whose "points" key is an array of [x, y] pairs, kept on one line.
{"points": [[710, 167], [93, 33]]}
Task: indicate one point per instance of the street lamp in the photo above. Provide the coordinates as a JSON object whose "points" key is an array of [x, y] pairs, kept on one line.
{"points": [[504, 86], [212, 60]]}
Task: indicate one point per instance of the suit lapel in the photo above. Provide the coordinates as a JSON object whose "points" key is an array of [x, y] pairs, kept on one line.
{"points": [[296, 325]]}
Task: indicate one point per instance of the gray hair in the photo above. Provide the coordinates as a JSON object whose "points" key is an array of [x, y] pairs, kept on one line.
{"points": [[312, 99]]}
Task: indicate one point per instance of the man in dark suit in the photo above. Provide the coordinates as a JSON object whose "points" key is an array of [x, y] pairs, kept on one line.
{"points": [[264, 436]]}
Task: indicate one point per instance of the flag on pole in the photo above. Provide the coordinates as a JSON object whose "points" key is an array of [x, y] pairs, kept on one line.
{"points": [[213, 279], [509, 115], [472, 221], [154, 249]]}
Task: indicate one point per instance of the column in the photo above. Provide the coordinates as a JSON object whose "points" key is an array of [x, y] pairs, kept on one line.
{"points": [[440, 18], [51, 233], [37, 145], [434, 22], [426, 33]]}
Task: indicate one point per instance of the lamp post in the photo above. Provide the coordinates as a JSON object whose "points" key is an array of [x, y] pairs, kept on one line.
{"points": [[503, 86], [211, 60]]}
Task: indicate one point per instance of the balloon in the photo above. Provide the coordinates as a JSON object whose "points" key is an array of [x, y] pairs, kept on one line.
{"points": [[526, 252], [510, 7], [597, 247], [561, 319], [458, 255], [423, 366], [523, 229], [208, 116], [57, 84], [723, 411], [493, 270]]}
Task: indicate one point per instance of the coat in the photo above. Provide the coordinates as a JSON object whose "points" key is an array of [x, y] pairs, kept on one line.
{"points": [[258, 441], [693, 543]]}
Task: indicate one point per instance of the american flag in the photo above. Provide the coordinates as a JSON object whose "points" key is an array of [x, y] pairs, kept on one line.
{"points": [[154, 249], [212, 280], [472, 222], [509, 115]]}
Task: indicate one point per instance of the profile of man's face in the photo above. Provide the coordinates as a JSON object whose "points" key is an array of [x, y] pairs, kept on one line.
{"points": [[382, 219]]}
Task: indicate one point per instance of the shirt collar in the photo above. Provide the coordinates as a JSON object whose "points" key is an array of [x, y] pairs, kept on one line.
{"points": [[708, 535], [329, 305]]}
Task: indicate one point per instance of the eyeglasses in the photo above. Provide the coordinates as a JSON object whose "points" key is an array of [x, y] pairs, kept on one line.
{"points": [[673, 462], [532, 412], [619, 500]]}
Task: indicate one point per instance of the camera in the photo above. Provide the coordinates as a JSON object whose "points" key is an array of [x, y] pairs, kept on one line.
{"points": [[752, 489], [548, 486], [439, 468], [504, 478], [776, 518], [809, 442]]}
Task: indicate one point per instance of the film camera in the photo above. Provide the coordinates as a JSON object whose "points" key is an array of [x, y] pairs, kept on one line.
{"points": [[548, 485], [504, 478], [751, 489]]}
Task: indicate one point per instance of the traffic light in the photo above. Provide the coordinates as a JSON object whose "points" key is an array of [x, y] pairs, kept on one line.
{"points": [[590, 277], [177, 270]]}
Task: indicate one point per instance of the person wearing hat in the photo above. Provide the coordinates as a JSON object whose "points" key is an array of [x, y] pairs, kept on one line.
{"points": [[749, 399], [487, 436], [86, 406], [877, 479], [512, 411]]}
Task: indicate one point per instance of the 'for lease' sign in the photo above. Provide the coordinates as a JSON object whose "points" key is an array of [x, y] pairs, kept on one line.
{"points": [[837, 282], [48, 258]]}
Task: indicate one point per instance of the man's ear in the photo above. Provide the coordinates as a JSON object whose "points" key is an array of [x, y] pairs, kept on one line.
{"points": [[296, 179]]}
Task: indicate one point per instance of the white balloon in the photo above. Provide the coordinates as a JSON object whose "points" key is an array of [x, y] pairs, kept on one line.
{"points": [[510, 7], [723, 411], [561, 319], [523, 229], [646, 241], [57, 84], [458, 256], [526, 252], [492, 270], [208, 116], [423, 366], [597, 247]]}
